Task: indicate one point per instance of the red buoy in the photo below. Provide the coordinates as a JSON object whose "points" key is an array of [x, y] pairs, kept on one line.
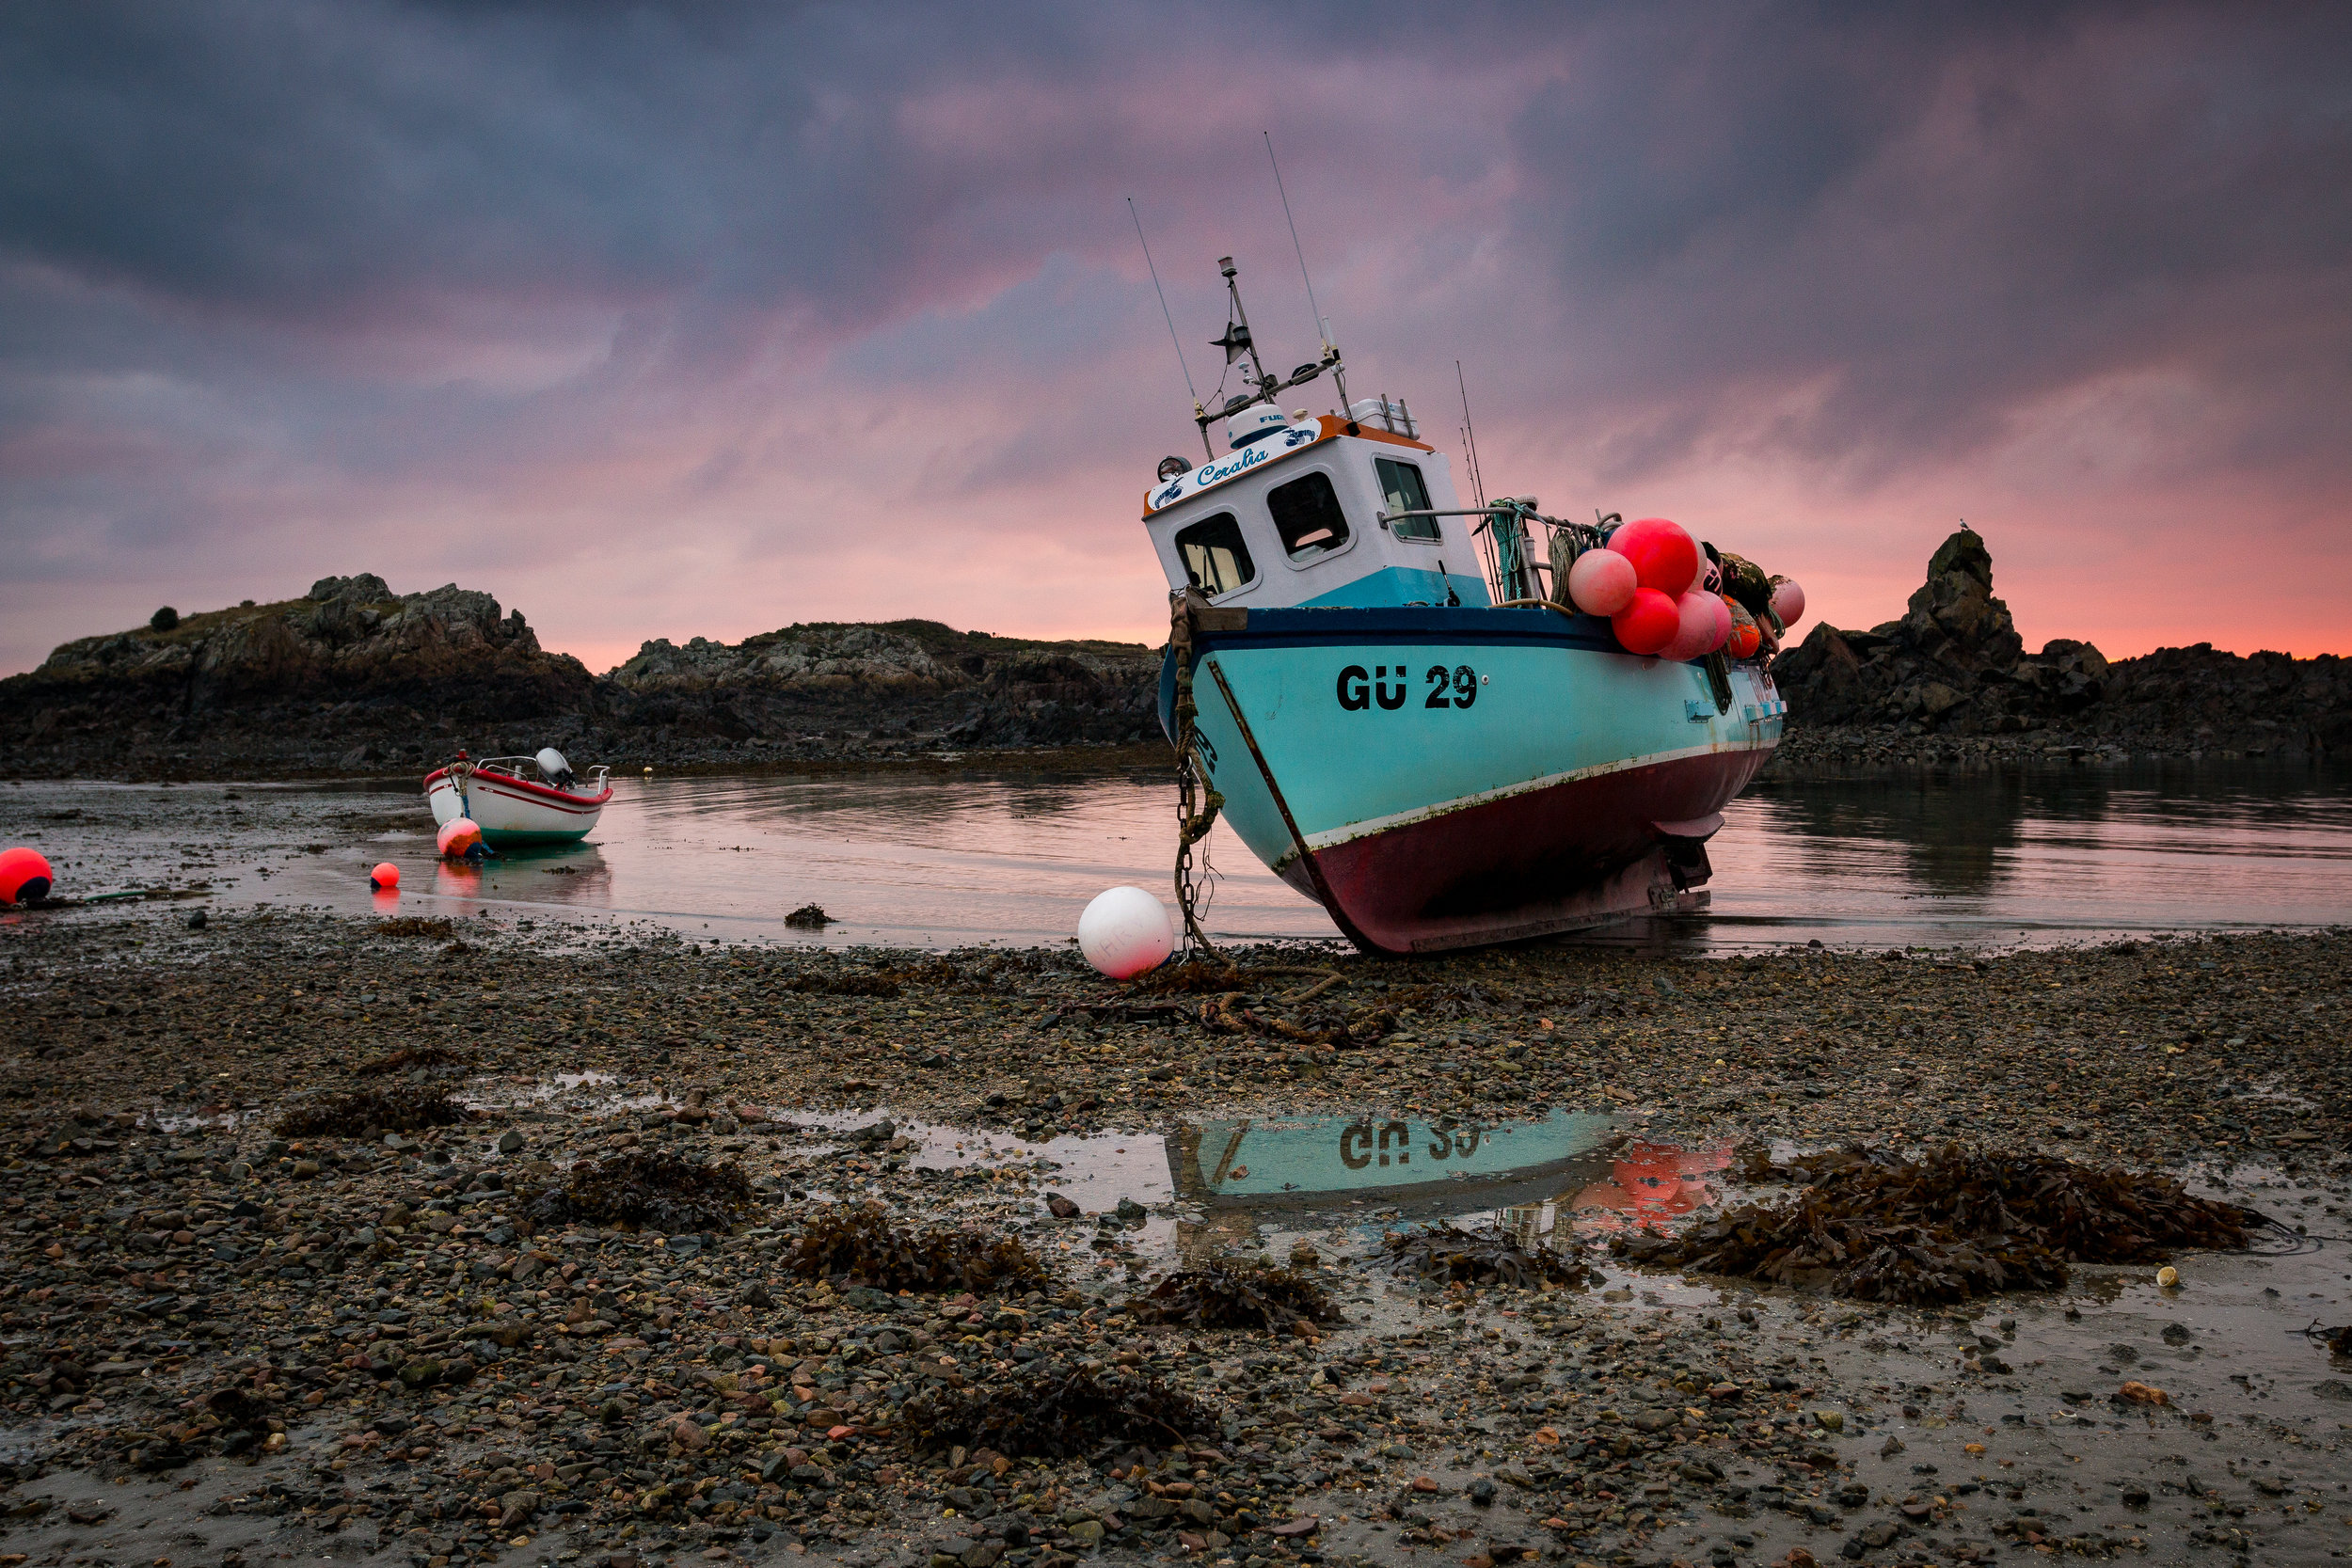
{"points": [[1664, 555], [385, 878], [23, 876], [1649, 623]]}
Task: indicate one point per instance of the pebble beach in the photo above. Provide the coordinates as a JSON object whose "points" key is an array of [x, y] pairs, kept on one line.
{"points": [[226, 1342]]}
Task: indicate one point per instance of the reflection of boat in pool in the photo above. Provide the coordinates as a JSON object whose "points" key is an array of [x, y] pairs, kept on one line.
{"points": [[519, 801], [1305, 1160]]}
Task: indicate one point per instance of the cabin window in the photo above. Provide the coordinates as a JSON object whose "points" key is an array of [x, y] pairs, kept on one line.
{"points": [[1307, 515], [1401, 483], [1215, 560]]}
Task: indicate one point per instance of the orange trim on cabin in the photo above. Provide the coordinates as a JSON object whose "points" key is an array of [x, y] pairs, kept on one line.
{"points": [[1334, 424]]}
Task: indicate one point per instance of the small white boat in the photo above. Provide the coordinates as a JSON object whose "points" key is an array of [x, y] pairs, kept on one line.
{"points": [[519, 801]]}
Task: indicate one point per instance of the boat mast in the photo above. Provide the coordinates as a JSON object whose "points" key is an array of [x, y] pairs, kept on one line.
{"points": [[1238, 342]]}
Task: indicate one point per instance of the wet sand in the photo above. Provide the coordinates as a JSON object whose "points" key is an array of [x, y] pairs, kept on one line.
{"points": [[441, 1379]]}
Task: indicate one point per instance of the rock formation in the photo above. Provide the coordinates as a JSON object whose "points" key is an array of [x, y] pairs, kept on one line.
{"points": [[1954, 665], [351, 668], [354, 677], [900, 678]]}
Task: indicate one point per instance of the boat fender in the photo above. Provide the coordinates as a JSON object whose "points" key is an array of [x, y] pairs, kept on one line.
{"points": [[1788, 600], [1126, 931], [1694, 625], [1745, 637], [24, 876], [1664, 555], [1601, 582], [385, 878], [1649, 623]]}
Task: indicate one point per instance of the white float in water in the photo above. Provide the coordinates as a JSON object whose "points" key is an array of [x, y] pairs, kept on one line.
{"points": [[1124, 933]]}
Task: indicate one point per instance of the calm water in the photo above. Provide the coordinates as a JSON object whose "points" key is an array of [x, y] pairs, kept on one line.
{"points": [[1985, 859]]}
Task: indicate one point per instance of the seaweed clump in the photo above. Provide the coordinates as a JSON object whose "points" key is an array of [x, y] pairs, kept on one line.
{"points": [[1058, 1410], [859, 1242], [1236, 1295], [410, 1059], [1195, 978], [1488, 1256], [809, 917], [656, 1190], [366, 1112], [424, 927], [1951, 1224], [843, 985]]}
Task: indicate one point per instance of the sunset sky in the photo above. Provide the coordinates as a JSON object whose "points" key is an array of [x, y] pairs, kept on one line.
{"points": [[665, 321]]}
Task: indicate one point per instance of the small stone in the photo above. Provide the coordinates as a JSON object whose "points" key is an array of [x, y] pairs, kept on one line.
{"points": [[510, 1141], [1060, 1207], [1481, 1492]]}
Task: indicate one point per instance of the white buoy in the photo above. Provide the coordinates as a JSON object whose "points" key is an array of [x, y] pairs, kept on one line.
{"points": [[1126, 931]]}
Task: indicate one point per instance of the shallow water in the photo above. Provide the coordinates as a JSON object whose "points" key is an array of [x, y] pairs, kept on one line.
{"points": [[1988, 859]]}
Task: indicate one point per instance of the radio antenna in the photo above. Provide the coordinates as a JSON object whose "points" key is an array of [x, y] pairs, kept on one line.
{"points": [[1199, 413], [1469, 434], [1322, 331]]}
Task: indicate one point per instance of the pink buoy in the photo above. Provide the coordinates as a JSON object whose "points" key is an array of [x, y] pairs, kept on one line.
{"points": [[1664, 555], [458, 835], [1601, 582], [1126, 931], [1788, 601], [385, 878], [24, 876], [1694, 625], [1646, 624], [1724, 620]]}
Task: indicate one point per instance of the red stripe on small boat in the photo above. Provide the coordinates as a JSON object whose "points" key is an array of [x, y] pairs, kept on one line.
{"points": [[535, 793]]}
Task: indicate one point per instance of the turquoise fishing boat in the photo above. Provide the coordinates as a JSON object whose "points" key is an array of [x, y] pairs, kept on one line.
{"points": [[1386, 695]]}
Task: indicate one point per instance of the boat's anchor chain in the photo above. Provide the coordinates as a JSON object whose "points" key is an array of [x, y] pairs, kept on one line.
{"points": [[1197, 801]]}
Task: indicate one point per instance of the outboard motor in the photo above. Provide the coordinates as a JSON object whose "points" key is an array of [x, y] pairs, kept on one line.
{"points": [[553, 768]]}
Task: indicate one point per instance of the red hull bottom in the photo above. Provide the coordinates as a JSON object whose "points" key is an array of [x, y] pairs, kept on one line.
{"points": [[1579, 853]]}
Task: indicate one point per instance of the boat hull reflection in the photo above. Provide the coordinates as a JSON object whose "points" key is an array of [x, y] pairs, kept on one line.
{"points": [[1301, 1161]]}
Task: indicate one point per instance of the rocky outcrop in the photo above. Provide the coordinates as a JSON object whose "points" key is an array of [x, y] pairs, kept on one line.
{"points": [[351, 671], [914, 682], [352, 677], [1953, 665]]}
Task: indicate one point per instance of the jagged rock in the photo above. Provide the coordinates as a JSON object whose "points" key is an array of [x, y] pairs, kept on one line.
{"points": [[1953, 665], [348, 673]]}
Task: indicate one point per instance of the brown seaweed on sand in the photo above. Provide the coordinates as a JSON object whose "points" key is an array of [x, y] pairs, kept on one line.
{"points": [[1236, 1295], [1058, 1410], [366, 1111], [859, 1241], [656, 1190], [1956, 1223], [1488, 1256]]}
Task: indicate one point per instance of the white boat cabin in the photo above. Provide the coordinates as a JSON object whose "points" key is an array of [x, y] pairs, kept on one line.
{"points": [[1303, 511]]}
